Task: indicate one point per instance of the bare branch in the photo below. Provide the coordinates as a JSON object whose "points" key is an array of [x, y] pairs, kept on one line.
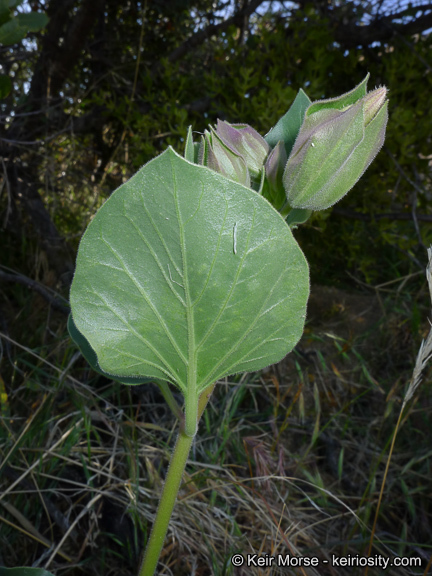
{"points": [[382, 29], [213, 29]]}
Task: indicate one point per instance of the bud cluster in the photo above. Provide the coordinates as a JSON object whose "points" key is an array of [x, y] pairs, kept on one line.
{"points": [[336, 141], [235, 150]]}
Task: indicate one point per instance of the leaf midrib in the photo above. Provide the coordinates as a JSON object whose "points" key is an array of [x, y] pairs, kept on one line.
{"points": [[191, 395]]}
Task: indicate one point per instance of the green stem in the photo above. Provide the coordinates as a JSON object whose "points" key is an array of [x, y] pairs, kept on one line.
{"points": [[191, 414], [166, 504], [170, 491]]}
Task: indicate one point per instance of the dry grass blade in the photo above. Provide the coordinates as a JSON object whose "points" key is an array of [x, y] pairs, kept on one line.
{"points": [[31, 531], [425, 351], [423, 356], [77, 519]]}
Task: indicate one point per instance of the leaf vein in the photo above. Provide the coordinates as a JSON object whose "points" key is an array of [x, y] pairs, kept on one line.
{"points": [[149, 302]]}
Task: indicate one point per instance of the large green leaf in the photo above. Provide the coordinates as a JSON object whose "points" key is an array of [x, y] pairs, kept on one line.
{"points": [[186, 276]]}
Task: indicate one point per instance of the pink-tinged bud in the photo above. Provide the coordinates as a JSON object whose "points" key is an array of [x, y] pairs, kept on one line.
{"points": [[235, 150], [337, 141], [217, 155], [246, 142]]}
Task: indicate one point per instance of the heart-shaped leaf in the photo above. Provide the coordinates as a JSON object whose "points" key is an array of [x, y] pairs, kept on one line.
{"points": [[186, 276]]}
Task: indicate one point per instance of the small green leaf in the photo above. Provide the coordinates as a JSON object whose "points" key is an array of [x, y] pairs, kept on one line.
{"points": [[11, 32], [287, 127], [187, 277], [24, 571], [5, 86], [33, 21]]}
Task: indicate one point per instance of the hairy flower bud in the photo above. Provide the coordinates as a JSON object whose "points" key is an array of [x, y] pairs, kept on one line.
{"points": [[247, 142], [220, 157], [235, 150], [338, 140]]}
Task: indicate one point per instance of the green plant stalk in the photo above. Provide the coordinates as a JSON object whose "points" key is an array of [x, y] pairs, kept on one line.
{"points": [[166, 504], [170, 490]]}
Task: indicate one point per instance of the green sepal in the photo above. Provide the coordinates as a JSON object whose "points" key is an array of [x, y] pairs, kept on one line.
{"points": [[288, 126], [340, 102], [189, 152], [298, 216]]}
